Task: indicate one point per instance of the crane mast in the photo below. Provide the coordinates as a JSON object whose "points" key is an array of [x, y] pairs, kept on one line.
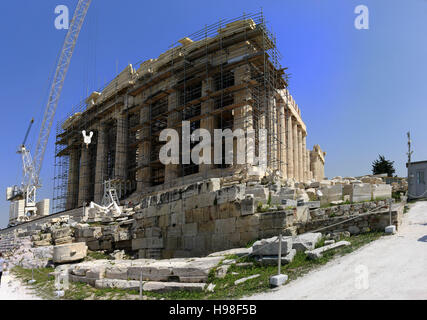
{"points": [[32, 166]]}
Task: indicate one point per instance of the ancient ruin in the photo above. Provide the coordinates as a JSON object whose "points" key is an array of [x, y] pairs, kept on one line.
{"points": [[113, 195], [226, 76]]}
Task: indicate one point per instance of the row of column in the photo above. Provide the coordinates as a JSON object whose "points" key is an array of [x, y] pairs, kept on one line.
{"points": [[293, 154], [81, 168]]}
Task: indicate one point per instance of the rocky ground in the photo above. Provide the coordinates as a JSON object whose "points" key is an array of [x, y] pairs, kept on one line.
{"points": [[393, 267]]}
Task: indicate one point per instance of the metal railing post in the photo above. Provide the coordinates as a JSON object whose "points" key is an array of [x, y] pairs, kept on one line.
{"points": [[279, 263]]}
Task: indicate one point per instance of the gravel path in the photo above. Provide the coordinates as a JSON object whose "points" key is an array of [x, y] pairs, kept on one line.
{"points": [[13, 289], [393, 267]]}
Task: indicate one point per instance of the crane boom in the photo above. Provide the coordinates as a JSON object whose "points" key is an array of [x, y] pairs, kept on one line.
{"points": [[57, 84]]}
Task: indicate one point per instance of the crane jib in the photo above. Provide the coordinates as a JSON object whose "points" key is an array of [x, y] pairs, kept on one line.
{"points": [[57, 84]]}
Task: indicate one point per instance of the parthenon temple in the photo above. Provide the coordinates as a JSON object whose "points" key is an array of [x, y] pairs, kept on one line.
{"points": [[226, 76]]}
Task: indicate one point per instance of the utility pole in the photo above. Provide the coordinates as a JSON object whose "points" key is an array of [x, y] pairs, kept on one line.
{"points": [[409, 153]]}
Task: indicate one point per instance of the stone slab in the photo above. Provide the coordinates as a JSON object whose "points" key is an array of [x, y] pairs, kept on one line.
{"points": [[270, 246], [306, 241], [238, 252], [172, 286], [317, 253]]}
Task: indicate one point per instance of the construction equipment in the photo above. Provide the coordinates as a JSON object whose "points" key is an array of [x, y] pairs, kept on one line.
{"points": [[32, 167]]}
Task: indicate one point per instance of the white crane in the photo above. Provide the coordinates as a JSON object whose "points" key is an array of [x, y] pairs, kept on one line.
{"points": [[32, 166]]}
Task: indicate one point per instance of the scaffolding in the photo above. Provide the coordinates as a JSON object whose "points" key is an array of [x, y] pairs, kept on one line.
{"points": [[225, 76]]}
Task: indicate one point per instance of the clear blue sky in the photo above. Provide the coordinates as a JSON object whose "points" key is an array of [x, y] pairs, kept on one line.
{"points": [[360, 91]]}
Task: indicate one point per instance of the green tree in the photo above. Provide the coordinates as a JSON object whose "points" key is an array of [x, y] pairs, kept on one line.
{"points": [[383, 166]]}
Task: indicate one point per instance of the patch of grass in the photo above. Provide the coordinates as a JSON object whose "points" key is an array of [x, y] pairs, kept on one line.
{"points": [[43, 287], [97, 255], [396, 196], [224, 288], [95, 224], [320, 243]]}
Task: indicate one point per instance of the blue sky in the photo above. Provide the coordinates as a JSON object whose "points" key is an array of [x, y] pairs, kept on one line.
{"points": [[360, 91]]}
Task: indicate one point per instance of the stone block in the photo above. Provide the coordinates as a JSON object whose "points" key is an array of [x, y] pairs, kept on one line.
{"points": [[230, 194], [69, 252], [313, 204], [189, 229], [117, 284], [259, 192], [61, 233], [147, 243], [306, 241], [64, 240], [381, 191], [278, 280], [248, 206], [225, 225], [331, 193], [93, 245], [106, 245], [270, 246], [273, 260], [361, 192], [390, 229]]}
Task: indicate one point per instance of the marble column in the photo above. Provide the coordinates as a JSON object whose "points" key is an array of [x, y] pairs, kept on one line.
{"points": [[300, 156], [84, 176], [73, 180], [101, 159], [295, 150], [282, 144], [289, 145], [275, 135], [304, 156]]}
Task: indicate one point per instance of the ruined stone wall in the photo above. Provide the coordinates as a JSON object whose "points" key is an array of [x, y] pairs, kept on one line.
{"points": [[363, 220], [200, 219]]}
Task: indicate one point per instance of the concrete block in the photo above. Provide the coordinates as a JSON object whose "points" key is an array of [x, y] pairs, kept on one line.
{"points": [[390, 229], [278, 280]]}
